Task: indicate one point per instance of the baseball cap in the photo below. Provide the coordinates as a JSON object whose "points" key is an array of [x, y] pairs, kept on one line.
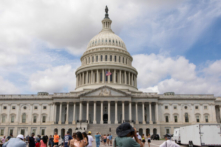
{"points": [[124, 129], [20, 136]]}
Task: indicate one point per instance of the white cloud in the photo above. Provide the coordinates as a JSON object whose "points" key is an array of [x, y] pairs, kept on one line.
{"points": [[158, 73], [55, 79], [7, 87]]}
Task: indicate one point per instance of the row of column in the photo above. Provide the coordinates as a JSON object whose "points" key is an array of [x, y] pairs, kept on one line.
{"points": [[118, 76], [109, 114]]}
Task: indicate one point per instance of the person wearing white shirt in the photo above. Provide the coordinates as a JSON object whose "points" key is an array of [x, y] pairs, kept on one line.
{"points": [[169, 142], [90, 139]]}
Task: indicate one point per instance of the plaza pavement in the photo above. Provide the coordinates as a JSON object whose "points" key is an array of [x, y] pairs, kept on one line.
{"points": [[154, 143]]}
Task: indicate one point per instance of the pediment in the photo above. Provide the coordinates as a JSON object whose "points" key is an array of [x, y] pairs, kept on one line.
{"points": [[105, 91]]}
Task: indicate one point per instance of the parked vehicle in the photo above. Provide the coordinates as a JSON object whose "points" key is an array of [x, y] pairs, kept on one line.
{"points": [[200, 135], [176, 135]]}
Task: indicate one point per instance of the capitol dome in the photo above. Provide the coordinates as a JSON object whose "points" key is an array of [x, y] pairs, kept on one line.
{"points": [[106, 62]]}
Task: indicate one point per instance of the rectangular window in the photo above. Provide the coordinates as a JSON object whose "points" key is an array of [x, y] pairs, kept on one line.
{"points": [[23, 131], [34, 119], [11, 131], [205, 107], [110, 57], [166, 107], [3, 119], [12, 119], [43, 132], [4, 107], [196, 107], [105, 57], [115, 58], [168, 131], [174, 107], [13, 107], [96, 58], [123, 59], [119, 58], [34, 131], [44, 119], [93, 59], [175, 119], [167, 118], [101, 77], [101, 58], [206, 119], [44, 107], [185, 107], [2, 132], [36, 107], [197, 119]]}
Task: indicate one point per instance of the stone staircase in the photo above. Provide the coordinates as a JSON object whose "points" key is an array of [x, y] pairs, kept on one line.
{"points": [[103, 129]]}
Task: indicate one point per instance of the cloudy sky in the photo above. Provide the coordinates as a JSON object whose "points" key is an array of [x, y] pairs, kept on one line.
{"points": [[176, 45]]}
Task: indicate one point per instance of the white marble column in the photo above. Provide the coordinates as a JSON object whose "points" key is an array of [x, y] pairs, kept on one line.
{"points": [[101, 122], [151, 122], [98, 80], [74, 111], [31, 113], [94, 122], [83, 78], [40, 105], [55, 112], [114, 76], [80, 83], [123, 119], [128, 78], [87, 113], [80, 111], [92, 77], [130, 109], [137, 122], [109, 117], [109, 76], [67, 116], [76, 80], [125, 77], [8, 118], [156, 112], [220, 112], [119, 76], [143, 113], [18, 113], [59, 122], [103, 77], [116, 121], [86, 82]]}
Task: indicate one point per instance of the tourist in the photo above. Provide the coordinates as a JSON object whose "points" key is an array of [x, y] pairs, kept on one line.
{"points": [[56, 138], [148, 140], [31, 140], [125, 134], [97, 138], [43, 142], [67, 139], [72, 142], [85, 139], [143, 139], [26, 140], [3, 140], [168, 142], [15, 142], [37, 143], [110, 139], [90, 139], [50, 142], [105, 139], [79, 141], [9, 137], [60, 141], [138, 136]]}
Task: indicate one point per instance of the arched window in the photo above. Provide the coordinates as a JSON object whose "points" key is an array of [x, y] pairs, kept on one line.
{"points": [[43, 119], [3, 118], [105, 57], [12, 119], [186, 117], [34, 119], [23, 118], [110, 57]]}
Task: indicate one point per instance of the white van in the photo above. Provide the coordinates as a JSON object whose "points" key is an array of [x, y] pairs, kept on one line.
{"points": [[176, 135]]}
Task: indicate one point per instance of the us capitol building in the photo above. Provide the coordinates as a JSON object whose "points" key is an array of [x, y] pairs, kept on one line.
{"points": [[101, 103]]}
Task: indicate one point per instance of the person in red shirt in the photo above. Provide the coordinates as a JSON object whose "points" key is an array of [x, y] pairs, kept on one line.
{"points": [[37, 144]]}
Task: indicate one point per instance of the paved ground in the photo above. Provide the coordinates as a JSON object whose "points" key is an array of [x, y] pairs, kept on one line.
{"points": [[154, 143]]}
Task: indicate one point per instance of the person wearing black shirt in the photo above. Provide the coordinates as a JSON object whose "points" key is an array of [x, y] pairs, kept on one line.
{"points": [[32, 140]]}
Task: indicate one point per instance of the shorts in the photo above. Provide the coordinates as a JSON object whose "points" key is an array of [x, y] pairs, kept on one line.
{"points": [[143, 141], [149, 141], [105, 140], [56, 143]]}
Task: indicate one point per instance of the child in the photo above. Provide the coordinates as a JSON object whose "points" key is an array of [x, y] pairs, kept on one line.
{"points": [[37, 143]]}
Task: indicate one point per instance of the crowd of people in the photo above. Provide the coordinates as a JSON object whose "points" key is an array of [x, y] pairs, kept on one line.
{"points": [[127, 136]]}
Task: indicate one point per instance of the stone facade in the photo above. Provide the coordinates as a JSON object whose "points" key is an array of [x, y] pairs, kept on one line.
{"points": [[101, 103]]}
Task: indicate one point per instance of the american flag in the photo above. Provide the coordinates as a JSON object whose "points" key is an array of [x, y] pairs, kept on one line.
{"points": [[108, 73]]}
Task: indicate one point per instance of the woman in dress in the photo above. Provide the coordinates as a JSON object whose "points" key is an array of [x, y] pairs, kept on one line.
{"points": [[143, 139], [79, 141], [108, 139], [148, 140], [85, 139], [105, 139], [43, 142]]}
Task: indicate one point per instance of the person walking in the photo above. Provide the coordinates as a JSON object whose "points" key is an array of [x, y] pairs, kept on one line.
{"points": [[31, 140], [125, 133], [50, 142], [148, 140], [56, 138], [97, 138], [85, 138], [143, 139], [43, 142], [3, 140], [90, 139], [73, 140], [37, 144], [67, 139], [15, 142], [79, 140], [110, 139], [168, 142]]}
